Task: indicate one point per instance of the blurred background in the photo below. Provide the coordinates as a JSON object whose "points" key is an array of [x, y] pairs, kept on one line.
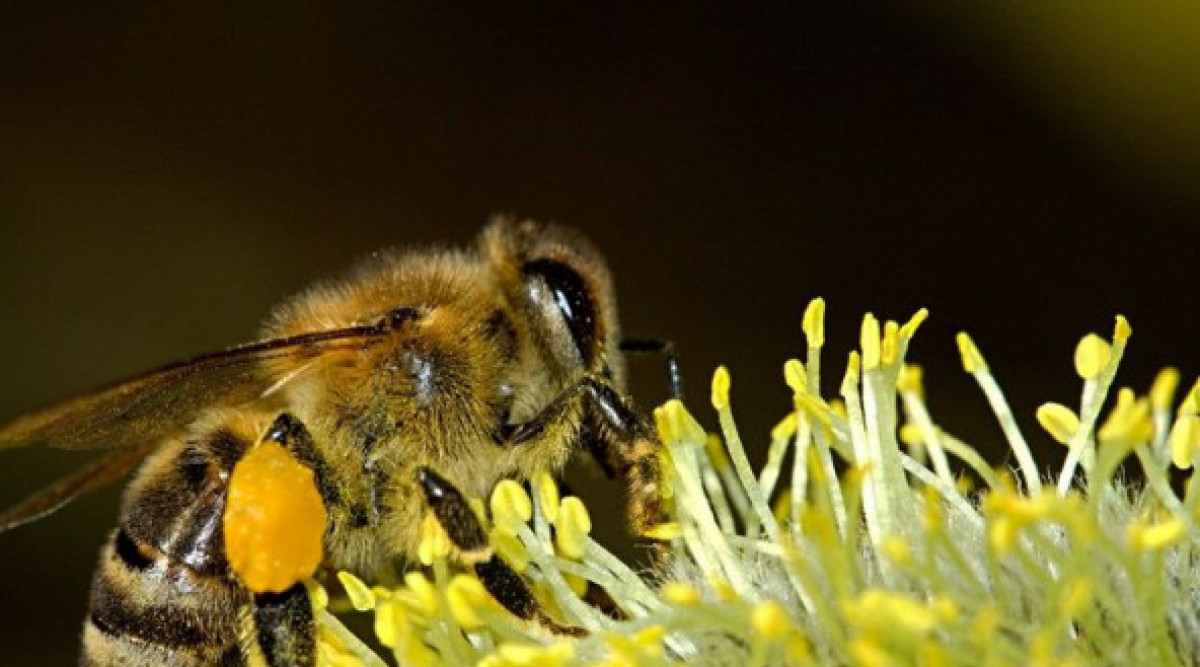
{"points": [[1024, 170]]}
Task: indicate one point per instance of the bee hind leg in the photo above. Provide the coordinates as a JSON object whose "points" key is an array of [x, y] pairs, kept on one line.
{"points": [[504, 584], [285, 627]]}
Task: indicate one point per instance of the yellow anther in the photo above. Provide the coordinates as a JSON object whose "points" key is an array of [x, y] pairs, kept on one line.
{"points": [[422, 593], [390, 621], [813, 407], [465, 597], [1185, 441], [511, 506], [317, 594], [435, 543], [876, 608], [1059, 421], [510, 548], [814, 322], [650, 637], [361, 596], [720, 388], [680, 594], [890, 344], [1191, 401], [1130, 420], [662, 424], [716, 451], [945, 609], [972, 360], [770, 620], [274, 520], [897, 549], [577, 584], [910, 327], [1091, 355], [798, 650], [412, 652], [795, 376], [1121, 330], [781, 509], [910, 379], [838, 407], [1126, 398], [1074, 598], [574, 524], [910, 434], [1002, 533], [1162, 392], [547, 491], [869, 342], [724, 590], [853, 372], [931, 653], [557, 654], [676, 424], [866, 651], [984, 625], [664, 532], [786, 428], [1158, 536]]}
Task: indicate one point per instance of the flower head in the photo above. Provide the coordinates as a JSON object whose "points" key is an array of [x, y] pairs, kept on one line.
{"points": [[871, 536]]}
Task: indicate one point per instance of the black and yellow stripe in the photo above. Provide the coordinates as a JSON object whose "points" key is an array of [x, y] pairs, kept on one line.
{"points": [[163, 594]]}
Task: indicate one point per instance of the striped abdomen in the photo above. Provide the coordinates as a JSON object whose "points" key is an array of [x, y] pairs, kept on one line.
{"points": [[163, 595]]}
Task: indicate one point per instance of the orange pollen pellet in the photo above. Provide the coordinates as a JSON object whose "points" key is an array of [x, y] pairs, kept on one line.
{"points": [[274, 520]]}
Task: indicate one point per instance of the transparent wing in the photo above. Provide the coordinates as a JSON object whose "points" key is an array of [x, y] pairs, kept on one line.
{"points": [[91, 477], [143, 409]]}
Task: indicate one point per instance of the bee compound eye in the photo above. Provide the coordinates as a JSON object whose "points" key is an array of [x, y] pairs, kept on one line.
{"points": [[566, 289]]}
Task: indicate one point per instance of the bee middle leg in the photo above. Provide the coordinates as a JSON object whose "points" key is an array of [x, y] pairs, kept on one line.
{"points": [[457, 518]]}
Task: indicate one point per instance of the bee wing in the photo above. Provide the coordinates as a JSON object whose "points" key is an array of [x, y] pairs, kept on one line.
{"points": [[145, 408], [93, 476]]}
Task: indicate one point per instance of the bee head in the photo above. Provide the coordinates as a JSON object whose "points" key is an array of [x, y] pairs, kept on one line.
{"points": [[560, 283]]}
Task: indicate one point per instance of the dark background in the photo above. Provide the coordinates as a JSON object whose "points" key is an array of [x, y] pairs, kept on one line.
{"points": [[167, 176]]}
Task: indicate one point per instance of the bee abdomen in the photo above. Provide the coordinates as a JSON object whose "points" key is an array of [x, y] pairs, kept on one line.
{"points": [[148, 610], [163, 595]]}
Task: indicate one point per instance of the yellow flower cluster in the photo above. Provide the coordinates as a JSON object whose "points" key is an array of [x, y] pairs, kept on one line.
{"points": [[871, 536]]}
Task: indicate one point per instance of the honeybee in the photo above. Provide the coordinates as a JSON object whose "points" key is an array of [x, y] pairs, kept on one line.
{"points": [[420, 380]]}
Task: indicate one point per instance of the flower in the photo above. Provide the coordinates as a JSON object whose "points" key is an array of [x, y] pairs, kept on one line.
{"points": [[870, 537]]}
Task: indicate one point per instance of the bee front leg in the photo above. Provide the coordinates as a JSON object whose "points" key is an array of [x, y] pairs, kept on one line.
{"points": [[624, 441], [618, 437]]}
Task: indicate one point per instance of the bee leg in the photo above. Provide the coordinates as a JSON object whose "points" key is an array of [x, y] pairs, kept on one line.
{"points": [[616, 434], [293, 435], [457, 518], [624, 441], [659, 346], [285, 627]]}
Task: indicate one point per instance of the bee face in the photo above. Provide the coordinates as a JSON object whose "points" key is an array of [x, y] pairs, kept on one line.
{"points": [[421, 377]]}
